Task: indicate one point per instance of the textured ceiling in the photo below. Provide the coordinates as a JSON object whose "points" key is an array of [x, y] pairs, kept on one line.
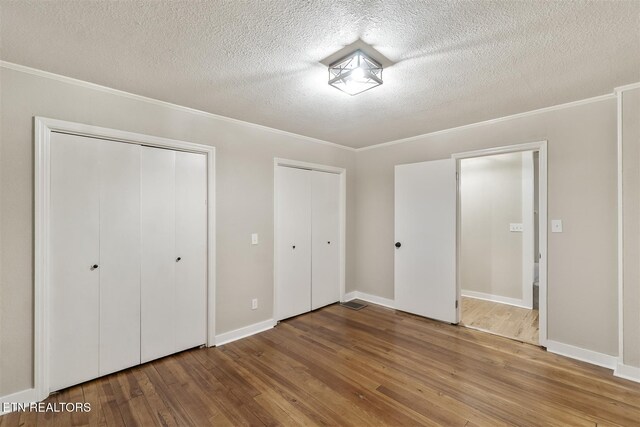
{"points": [[456, 62]]}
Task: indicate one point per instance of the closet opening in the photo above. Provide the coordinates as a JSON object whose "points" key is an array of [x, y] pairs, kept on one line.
{"points": [[309, 237], [124, 250]]}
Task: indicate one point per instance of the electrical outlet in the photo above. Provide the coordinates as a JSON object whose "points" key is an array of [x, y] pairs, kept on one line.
{"points": [[254, 239], [516, 227], [254, 304]]}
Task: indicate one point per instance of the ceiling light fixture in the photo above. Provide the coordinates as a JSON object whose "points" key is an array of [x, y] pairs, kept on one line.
{"points": [[355, 73]]}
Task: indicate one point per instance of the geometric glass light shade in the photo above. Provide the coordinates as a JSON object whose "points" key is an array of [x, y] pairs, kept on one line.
{"points": [[355, 73]]}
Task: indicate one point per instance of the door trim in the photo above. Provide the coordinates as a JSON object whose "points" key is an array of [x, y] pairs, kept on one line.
{"points": [[43, 127], [541, 148], [343, 219]]}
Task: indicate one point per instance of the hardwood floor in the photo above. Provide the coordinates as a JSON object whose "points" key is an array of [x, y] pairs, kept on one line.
{"points": [[501, 319], [337, 366]]}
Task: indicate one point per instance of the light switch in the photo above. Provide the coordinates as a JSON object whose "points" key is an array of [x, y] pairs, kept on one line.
{"points": [[254, 239], [556, 226], [516, 227]]}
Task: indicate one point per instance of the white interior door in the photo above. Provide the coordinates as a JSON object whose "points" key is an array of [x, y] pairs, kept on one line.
{"points": [[325, 235], [158, 235], [191, 250], [119, 255], [74, 282], [425, 231], [293, 228]]}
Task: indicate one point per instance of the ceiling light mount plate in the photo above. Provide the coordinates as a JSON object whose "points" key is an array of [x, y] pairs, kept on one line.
{"points": [[355, 73]]}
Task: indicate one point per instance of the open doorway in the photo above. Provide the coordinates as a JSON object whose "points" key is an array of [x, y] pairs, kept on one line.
{"points": [[499, 243], [428, 249]]}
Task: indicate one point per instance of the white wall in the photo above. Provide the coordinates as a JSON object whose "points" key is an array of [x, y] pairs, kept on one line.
{"points": [[244, 173], [582, 178], [491, 199]]}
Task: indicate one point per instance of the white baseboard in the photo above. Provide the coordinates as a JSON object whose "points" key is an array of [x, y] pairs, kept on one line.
{"points": [[584, 355], [349, 296], [627, 372], [247, 331], [24, 396], [374, 299], [495, 298]]}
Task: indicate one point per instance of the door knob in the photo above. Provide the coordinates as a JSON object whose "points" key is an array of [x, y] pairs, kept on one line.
{"points": [[398, 244], [178, 259], [94, 266]]}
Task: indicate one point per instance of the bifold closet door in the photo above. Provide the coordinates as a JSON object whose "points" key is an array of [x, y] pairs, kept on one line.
{"points": [[190, 324], [293, 288], [174, 236], [325, 259], [95, 277], [74, 283], [158, 235], [119, 256]]}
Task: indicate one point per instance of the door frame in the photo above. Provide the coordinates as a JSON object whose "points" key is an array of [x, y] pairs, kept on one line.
{"points": [[43, 127], [342, 172], [541, 148]]}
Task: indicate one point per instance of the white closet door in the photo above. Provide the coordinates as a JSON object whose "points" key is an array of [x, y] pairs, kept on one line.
{"points": [[74, 286], [325, 260], [157, 197], [293, 290], [191, 250], [119, 256]]}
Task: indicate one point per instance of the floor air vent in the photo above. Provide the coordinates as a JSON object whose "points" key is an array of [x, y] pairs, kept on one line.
{"points": [[353, 305]]}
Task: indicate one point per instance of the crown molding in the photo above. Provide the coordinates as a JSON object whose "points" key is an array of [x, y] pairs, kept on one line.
{"points": [[627, 87], [492, 121], [82, 83], [94, 86]]}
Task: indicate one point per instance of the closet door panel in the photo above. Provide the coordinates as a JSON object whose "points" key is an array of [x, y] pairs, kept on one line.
{"points": [[293, 289], [191, 247], [325, 261], [158, 252], [74, 286], [119, 256]]}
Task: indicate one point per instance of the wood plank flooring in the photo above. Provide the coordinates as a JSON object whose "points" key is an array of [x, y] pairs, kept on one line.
{"points": [[501, 319], [373, 367]]}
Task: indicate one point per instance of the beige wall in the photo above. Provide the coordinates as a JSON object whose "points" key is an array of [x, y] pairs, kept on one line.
{"points": [[491, 199], [631, 225], [582, 192], [244, 174]]}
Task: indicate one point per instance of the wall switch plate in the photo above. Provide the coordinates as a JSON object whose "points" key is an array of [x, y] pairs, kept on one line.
{"points": [[254, 303], [516, 227], [556, 226], [254, 239]]}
